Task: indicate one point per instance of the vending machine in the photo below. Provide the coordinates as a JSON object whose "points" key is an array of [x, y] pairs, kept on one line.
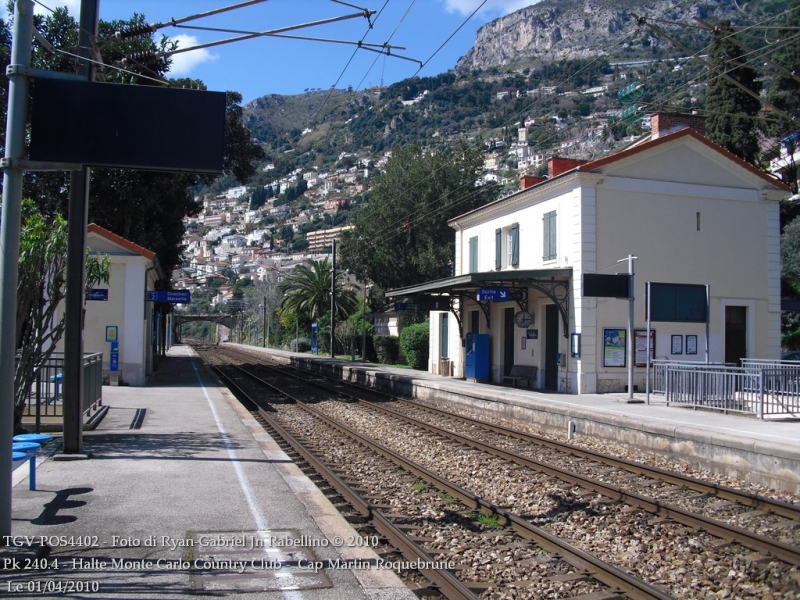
{"points": [[476, 367]]}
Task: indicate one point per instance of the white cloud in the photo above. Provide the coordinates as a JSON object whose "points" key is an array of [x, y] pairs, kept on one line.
{"points": [[73, 7], [184, 62], [499, 7]]}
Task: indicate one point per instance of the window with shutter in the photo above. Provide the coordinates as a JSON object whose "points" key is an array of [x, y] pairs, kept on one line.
{"points": [[549, 236], [473, 254], [513, 243], [498, 249]]}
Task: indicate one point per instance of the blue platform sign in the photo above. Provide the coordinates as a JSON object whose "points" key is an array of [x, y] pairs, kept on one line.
{"points": [[494, 294], [98, 294], [114, 362], [171, 296], [398, 306]]}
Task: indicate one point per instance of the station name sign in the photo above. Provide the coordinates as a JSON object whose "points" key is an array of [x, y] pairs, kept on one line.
{"points": [[499, 294], [170, 296]]}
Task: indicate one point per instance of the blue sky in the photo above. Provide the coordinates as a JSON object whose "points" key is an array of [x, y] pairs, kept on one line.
{"points": [[269, 65]]}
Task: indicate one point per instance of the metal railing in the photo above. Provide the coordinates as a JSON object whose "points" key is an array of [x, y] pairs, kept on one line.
{"points": [[761, 387], [658, 371], [45, 396]]}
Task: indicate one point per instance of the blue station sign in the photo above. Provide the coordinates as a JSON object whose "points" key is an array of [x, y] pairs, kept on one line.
{"points": [[398, 306], [98, 294], [171, 296], [500, 294]]}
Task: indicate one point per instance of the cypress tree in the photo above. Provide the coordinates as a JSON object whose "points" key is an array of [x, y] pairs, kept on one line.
{"points": [[730, 108]]}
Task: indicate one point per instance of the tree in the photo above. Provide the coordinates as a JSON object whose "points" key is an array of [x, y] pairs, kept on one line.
{"points": [[41, 287], [401, 235], [784, 93], [730, 108], [307, 291]]}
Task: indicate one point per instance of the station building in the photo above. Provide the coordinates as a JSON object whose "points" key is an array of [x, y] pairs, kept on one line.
{"points": [[688, 210], [119, 311]]}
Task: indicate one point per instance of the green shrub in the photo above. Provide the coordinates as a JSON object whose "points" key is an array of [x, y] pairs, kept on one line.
{"points": [[300, 345], [387, 349], [414, 341]]}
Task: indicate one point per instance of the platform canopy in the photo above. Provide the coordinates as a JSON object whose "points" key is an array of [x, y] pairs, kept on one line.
{"points": [[553, 283]]}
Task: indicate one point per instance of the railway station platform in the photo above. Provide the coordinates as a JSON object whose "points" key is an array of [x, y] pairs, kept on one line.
{"points": [[182, 493], [764, 452]]}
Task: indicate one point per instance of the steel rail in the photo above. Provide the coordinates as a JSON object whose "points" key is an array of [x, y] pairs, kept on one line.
{"points": [[783, 509], [754, 541], [449, 585], [611, 576], [606, 573]]}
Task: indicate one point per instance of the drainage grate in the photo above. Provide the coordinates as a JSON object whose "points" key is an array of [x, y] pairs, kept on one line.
{"points": [[254, 561]]}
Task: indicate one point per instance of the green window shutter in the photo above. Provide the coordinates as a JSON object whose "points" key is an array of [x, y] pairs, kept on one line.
{"points": [[514, 233], [549, 236], [445, 336], [498, 249], [473, 254]]}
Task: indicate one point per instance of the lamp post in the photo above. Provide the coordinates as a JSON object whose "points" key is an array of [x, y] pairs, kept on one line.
{"points": [[367, 288], [264, 324]]}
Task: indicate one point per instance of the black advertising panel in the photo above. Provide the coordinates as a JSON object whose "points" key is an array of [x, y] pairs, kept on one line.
{"points": [[127, 126], [606, 286], [678, 302]]}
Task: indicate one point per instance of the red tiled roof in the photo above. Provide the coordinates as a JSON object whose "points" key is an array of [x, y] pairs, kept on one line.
{"points": [[601, 162], [117, 239]]}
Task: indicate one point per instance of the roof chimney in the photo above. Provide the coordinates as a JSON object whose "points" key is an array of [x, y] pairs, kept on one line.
{"points": [[556, 166], [529, 180], [662, 124]]}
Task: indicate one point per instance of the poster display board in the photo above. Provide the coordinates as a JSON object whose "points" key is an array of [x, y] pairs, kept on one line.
{"points": [[640, 347], [614, 347]]}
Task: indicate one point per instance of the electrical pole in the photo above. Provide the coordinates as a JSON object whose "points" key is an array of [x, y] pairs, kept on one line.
{"points": [[9, 241], [76, 262], [333, 297], [629, 342], [264, 326]]}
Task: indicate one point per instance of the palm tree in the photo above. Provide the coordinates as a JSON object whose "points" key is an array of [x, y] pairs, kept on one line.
{"points": [[307, 291]]}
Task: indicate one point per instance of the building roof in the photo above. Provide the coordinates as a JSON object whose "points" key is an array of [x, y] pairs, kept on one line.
{"points": [[594, 165], [121, 241]]}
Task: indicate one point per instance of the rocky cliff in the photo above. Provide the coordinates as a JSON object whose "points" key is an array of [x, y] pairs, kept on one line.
{"points": [[568, 29]]}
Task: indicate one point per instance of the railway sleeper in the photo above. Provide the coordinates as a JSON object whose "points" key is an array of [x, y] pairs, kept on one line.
{"points": [[423, 591], [601, 595]]}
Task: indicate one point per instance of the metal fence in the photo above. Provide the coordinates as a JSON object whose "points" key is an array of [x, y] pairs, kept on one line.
{"points": [[760, 387], [45, 396]]}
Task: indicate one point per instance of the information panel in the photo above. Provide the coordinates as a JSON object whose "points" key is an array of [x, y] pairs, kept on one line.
{"points": [[677, 302], [600, 285]]}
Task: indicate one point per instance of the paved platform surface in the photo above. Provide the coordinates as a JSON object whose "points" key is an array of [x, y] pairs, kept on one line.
{"points": [[183, 494]]}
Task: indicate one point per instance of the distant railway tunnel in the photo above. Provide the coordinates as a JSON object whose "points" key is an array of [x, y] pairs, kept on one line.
{"points": [[228, 321]]}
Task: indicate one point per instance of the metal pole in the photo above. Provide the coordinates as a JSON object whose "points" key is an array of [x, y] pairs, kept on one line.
{"points": [[264, 326], [333, 296], [364, 325], [9, 242], [708, 323], [76, 263], [630, 330], [647, 376], [629, 342]]}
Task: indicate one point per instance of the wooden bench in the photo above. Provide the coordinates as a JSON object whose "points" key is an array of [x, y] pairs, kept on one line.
{"points": [[522, 373]]}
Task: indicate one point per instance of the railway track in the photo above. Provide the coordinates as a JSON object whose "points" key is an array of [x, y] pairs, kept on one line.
{"points": [[577, 494]]}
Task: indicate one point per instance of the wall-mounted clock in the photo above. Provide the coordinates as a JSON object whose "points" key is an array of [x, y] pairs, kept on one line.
{"points": [[523, 319]]}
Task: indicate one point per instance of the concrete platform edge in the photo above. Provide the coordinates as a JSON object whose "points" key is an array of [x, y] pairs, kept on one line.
{"points": [[374, 582]]}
